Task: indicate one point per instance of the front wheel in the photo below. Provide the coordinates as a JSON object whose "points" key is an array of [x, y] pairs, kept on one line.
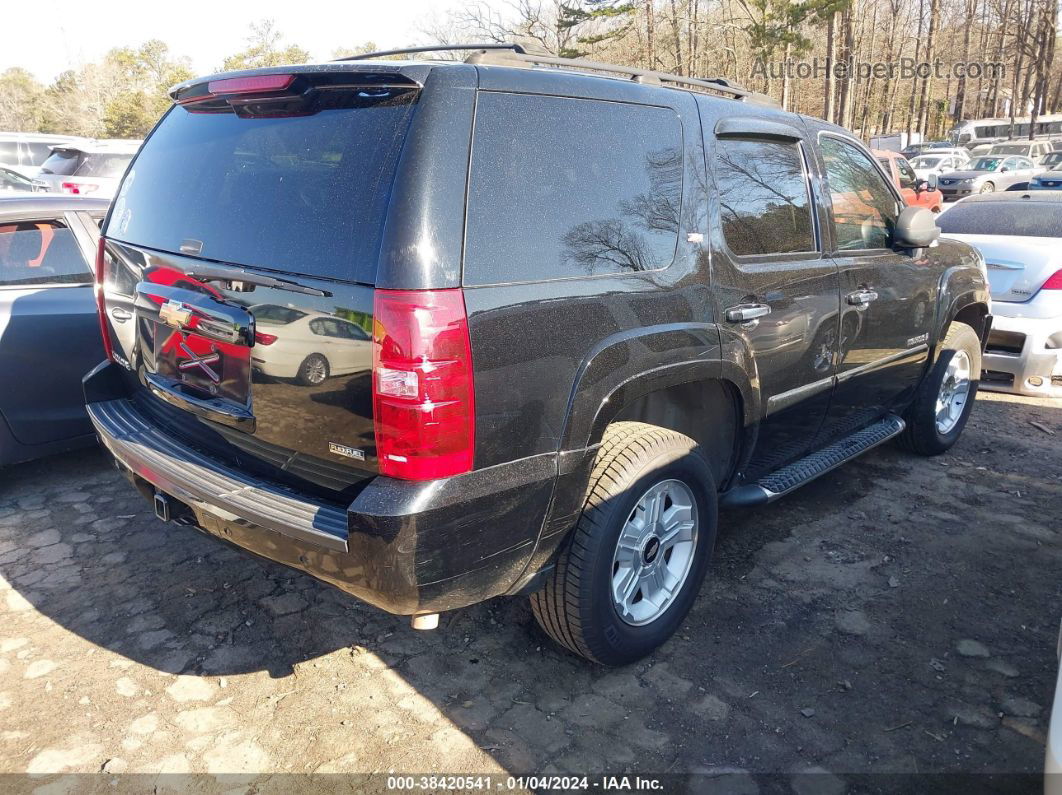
{"points": [[632, 567], [988, 187], [946, 395]]}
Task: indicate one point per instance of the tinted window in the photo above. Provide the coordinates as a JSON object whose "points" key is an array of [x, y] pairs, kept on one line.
{"points": [[301, 193], [61, 161], [925, 162], [1003, 218], [863, 209], [1051, 159], [38, 152], [571, 187], [97, 164], [40, 253], [763, 197], [276, 314]]}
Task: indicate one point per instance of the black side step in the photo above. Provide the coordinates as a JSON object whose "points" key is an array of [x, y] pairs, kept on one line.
{"points": [[770, 487]]}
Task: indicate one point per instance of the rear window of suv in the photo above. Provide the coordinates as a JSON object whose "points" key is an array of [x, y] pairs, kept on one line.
{"points": [[571, 187], [303, 194]]}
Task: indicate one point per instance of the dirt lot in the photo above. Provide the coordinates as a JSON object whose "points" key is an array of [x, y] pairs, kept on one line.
{"points": [[898, 616]]}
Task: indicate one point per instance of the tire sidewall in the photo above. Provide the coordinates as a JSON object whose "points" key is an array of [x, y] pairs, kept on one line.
{"points": [[612, 639], [968, 343]]}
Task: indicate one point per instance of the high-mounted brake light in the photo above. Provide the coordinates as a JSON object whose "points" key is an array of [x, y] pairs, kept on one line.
{"points": [[78, 188], [101, 299], [250, 85], [1054, 281], [423, 389]]}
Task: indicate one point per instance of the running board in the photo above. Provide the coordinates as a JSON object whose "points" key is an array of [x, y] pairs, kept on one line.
{"points": [[770, 487]]}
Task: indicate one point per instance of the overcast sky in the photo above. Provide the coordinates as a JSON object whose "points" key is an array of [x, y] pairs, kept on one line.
{"points": [[49, 36]]}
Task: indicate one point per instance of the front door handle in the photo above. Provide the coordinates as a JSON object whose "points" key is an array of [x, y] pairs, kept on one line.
{"points": [[747, 312], [862, 297], [121, 315]]}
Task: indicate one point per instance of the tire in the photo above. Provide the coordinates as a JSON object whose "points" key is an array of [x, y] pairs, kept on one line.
{"points": [[923, 434], [988, 187], [576, 607], [313, 371]]}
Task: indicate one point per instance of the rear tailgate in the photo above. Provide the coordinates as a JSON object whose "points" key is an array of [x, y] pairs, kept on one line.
{"points": [[241, 258]]}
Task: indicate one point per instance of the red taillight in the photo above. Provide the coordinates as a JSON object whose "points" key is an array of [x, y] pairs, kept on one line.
{"points": [[250, 85], [423, 392], [101, 300], [261, 338], [1054, 281], [78, 188]]}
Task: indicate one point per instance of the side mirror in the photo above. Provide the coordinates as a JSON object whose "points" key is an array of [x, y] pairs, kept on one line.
{"points": [[916, 227], [1004, 170], [931, 181]]}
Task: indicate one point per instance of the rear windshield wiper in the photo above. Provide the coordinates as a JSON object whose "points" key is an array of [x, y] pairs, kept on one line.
{"points": [[234, 274]]}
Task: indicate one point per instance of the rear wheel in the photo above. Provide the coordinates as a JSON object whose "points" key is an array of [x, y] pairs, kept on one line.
{"points": [[313, 371], [945, 397], [628, 574]]}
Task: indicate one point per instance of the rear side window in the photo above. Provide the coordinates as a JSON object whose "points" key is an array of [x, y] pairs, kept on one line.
{"points": [[763, 197], [9, 152], [304, 194], [1003, 218], [571, 187], [63, 162], [41, 252]]}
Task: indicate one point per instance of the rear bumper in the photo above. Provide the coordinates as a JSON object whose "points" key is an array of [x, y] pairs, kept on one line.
{"points": [[1017, 360], [405, 547]]}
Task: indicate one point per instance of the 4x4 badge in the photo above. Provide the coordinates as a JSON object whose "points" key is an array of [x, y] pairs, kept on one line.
{"points": [[202, 362]]}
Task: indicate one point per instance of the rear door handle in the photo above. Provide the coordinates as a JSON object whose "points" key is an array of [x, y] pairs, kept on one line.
{"points": [[747, 312], [862, 297], [121, 315]]}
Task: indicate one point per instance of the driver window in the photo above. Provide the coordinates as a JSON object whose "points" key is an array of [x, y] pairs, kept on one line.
{"points": [[863, 208]]}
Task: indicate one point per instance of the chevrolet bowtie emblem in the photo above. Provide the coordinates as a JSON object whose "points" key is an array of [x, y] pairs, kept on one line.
{"points": [[174, 313]]}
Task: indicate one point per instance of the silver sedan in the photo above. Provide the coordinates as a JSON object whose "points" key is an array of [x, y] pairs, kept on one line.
{"points": [[988, 174]]}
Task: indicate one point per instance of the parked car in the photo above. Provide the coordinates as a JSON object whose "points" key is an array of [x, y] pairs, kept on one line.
{"points": [[49, 330], [935, 165], [559, 397], [1052, 178], [916, 192], [25, 152], [1020, 238], [12, 181], [1034, 150], [986, 175], [88, 169], [307, 346], [980, 150]]}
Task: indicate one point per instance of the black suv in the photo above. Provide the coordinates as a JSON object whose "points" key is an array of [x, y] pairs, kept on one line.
{"points": [[435, 332]]}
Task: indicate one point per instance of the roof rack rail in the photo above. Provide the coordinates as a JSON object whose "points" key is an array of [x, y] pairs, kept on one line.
{"points": [[509, 54], [516, 48]]}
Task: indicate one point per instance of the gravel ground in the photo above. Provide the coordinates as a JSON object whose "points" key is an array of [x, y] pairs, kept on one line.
{"points": [[898, 616]]}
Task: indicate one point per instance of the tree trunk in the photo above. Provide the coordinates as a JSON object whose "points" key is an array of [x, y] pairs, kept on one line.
{"points": [[960, 90], [924, 97], [650, 50], [827, 105]]}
